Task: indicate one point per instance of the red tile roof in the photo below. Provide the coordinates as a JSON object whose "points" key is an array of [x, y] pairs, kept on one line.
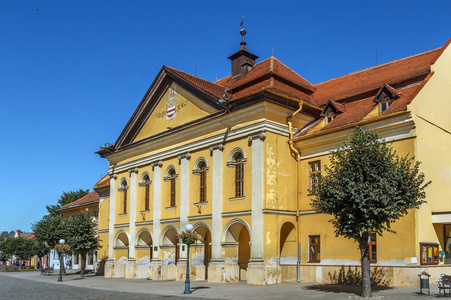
{"points": [[105, 181], [371, 79], [90, 198], [207, 86]]}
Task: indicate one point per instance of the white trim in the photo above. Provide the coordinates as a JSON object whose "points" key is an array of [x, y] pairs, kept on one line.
{"points": [[245, 131], [279, 212], [441, 218], [231, 161], [206, 217], [144, 223], [196, 170], [117, 236], [121, 225], [175, 220], [167, 177], [141, 180], [237, 214], [144, 229], [103, 231], [202, 224], [165, 230], [308, 212]]}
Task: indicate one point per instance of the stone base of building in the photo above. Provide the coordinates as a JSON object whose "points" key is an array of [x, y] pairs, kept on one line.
{"points": [[256, 272], [231, 273], [216, 271], [197, 273], [142, 271], [155, 272], [130, 269], [181, 271], [109, 269], [169, 272], [381, 275], [119, 270]]}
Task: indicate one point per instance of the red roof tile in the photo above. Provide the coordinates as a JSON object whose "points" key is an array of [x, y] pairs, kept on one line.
{"points": [[373, 78], [90, 198], [207, 86]]}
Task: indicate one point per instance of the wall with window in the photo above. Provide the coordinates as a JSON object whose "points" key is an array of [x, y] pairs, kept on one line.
{"points": [[170, 188], [196, 206], [121, 195], [143, 187], [230, 201]]}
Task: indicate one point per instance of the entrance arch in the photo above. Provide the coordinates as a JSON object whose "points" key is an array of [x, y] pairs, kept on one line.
{"points": [[121, 243], [144, 243], [204, 230], [236, 236], [169, 242]]}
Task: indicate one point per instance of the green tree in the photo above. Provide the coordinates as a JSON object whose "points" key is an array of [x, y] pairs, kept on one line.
{"points": [[50, 230], [5, 252], [66, 198], [39, 249], [82, 236], [366, 188]]}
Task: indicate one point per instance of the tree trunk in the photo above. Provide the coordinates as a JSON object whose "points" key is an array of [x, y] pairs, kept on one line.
{"points": [[83, 264], [365, 263], [20, 264], [63, 271]]}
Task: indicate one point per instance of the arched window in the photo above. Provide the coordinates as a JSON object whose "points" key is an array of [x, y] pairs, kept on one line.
{"points": [[239, 175], [123, 188], [146, 181], [203, 181], [172, 193]]}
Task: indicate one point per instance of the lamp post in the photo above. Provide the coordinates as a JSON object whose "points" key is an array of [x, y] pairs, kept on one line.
{"points": [[188, 229], [60, 274]]}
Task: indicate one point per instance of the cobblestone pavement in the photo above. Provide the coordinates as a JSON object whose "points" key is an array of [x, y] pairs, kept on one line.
{"points": [[33, 285]]}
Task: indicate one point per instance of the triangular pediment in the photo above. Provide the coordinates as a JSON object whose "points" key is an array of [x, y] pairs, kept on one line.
{"points": [[386, 93], [173, 100], [332, 108]]}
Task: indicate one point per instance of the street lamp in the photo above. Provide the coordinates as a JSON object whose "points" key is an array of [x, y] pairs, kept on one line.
{"points": [[60, 274], [188, 228]]}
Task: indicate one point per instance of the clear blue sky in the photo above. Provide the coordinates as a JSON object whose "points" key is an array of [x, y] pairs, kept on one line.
{"points": [[73, 72]]}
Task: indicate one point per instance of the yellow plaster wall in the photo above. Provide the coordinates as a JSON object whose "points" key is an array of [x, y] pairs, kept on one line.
{"points": [[431, 111], [188, 108], [122, 218], [229, 178], [141, 213], [194, 185], [102, 252], [168, 212], [104, 213], [280, 170], [272, 237]]}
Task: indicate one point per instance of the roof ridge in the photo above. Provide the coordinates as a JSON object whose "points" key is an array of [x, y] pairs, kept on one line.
{"points": [[380, 66], [174, 69]]}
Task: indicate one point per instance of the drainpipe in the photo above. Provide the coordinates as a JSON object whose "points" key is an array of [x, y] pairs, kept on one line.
{"points": [[297, 156]]}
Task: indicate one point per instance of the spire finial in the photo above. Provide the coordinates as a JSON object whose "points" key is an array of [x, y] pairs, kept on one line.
{"points": [[242, 32]]}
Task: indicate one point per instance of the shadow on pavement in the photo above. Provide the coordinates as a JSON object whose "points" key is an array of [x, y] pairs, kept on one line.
{"points": [[200, 288], [344, 288]]}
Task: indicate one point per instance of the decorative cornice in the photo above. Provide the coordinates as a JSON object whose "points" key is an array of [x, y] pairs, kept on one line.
{"points": [[237, 214], [170, 220], [113, 176], [204, 217], [121, 225], [186, 155], [157, 164], [261, 136], [103, 231], [219, 147], [144, 223], [133, 170], [279, 212]]}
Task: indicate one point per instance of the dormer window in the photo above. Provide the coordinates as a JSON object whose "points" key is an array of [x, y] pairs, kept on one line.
{"points": [[330, 118], [332, 110], [384, 105], [385, 97]]}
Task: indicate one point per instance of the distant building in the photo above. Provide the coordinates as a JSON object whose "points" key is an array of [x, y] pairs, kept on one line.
{"points": [[223, 156]]}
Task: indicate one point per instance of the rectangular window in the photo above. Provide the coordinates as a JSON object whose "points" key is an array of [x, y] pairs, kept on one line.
{"points": [[146, 197], [314, 248], [91, 258], [172, 191], [385, 105], [372, 247], [447, 231], [76, 258], [315, 171], [125, 202], [203, 185], [429, 254], [239, 180]]}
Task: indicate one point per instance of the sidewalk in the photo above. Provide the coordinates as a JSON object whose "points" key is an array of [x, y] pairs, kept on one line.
{"points": [[205, 290]]}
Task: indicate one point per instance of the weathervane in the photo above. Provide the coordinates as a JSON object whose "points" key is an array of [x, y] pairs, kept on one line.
{"points": [[242, 31]]}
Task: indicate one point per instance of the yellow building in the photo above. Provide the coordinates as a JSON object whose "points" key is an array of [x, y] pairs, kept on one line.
{"points": [[223, 156]]}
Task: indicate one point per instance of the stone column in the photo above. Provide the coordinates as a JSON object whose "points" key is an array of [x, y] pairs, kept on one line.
{"points": [[109, 265], [184, 207], [256, 267], [216, 265], [130, 271], [155, 265]]}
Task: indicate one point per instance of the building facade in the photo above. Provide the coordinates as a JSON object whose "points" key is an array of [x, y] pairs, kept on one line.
{"points": [[237, 157]]}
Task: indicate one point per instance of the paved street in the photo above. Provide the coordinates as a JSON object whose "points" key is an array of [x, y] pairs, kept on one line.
{"points": [[33, 285]]}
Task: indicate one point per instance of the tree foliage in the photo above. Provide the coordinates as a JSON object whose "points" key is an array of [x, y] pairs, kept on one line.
{"points": [[66, 198], [82, 235], [50, 229], [366, 188]]}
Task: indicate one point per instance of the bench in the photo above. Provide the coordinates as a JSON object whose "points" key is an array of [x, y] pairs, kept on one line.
{"points": [[47, 271], [444, 285]]}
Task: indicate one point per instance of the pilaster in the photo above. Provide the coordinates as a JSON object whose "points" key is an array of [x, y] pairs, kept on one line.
{"points": [[156, 213], [184, 199], [132, 226], [113, 178]]}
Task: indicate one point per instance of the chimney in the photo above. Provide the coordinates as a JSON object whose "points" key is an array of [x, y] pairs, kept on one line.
{"points": [[243, 60]]}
